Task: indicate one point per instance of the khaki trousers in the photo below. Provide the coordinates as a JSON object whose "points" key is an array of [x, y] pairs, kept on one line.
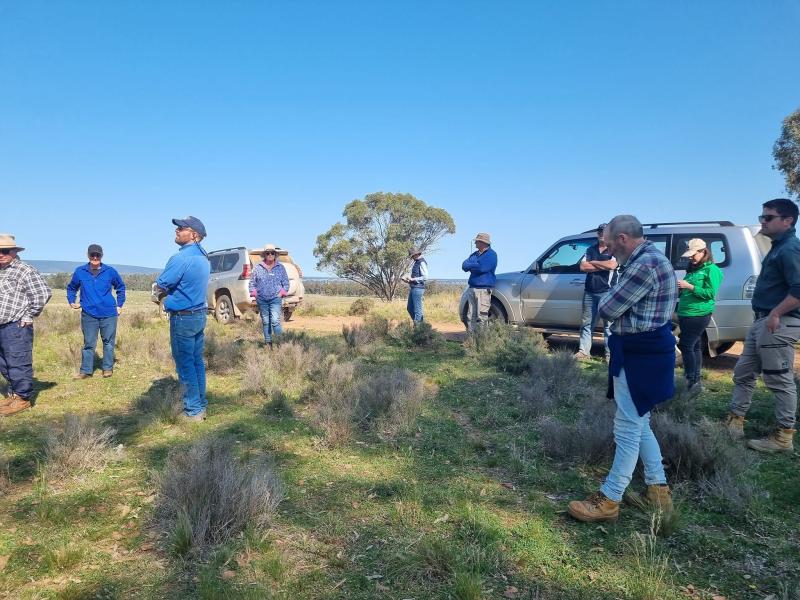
{"points": [[478, 302], [771, 355]]}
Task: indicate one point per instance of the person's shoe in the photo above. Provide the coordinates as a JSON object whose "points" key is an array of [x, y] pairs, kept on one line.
{"points": [[81, 376], [16, 405], [8, 399], [582, 356], [108, 373], [659, 496], [734, 424], [595, 508], [199, 417], [778, 441]]}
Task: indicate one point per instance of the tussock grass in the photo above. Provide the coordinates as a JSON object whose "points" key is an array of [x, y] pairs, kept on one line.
{"points": [[390, 399], [163, 402], [286, 368], [334, 396], [417, 335], [207, 495], [589, 440], [79, 445], [651, 581], [554, 380], [223, 355], [361, 335], [505, 347]]}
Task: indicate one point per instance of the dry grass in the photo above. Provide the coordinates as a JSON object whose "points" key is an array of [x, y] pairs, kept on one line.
{"points": [[334, 396], [223, 355], [80, 445], [505, 347], [590, 440], [555, 380], [163, 402], [390, 399]]}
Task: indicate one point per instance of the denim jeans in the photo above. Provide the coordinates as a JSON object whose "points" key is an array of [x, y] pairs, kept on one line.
{"points": [[271, 317], [591, 301], [634, 440], [414, 305], [91, 326], [16, 358], [692, 329], [187, 338]]}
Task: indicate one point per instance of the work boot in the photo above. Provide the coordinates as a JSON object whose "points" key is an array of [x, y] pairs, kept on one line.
{"points": [[778, 441], [597, 507], [81, 376], [8, 399], [659, 496], [16, 405], [108, 373], [735, 426], [582, 356]]}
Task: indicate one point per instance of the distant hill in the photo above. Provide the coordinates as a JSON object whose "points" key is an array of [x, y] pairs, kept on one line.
{"points": [[68, 266]]}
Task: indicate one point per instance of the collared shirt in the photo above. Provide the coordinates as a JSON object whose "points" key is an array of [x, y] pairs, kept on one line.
{"points": [[481, 266], [185, 279], [598, 282], [780, 273], [644, 297], [267, 283], [95, 289], [23, 293]]}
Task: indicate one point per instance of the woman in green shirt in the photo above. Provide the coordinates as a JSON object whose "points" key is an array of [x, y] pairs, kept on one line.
{"points": [[695, 305]]}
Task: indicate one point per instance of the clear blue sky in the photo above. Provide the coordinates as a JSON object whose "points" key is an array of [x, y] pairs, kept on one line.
{"points": [[529, 120]]}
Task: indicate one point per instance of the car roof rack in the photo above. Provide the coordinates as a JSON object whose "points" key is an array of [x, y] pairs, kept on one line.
{"points": [[678, 223], [227, 249]]}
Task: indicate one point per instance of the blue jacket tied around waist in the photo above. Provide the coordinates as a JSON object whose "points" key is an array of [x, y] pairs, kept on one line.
{"points": [[481, 269], [649, 362]]}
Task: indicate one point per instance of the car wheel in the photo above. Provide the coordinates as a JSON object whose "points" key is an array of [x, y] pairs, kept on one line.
{"points": [[287, 313], [223, 311], [496, 312], [724, 347]]}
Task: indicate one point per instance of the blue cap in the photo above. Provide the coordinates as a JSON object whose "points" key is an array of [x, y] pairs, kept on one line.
{"points": [[191, 222]]}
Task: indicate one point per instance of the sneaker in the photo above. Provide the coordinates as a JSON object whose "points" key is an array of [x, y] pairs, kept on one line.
{"points": [[108, 373], [597, 507], [199, 417], [16, 405]]}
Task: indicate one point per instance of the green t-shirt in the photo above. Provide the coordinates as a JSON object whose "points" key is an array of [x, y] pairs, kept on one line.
{"points": [[700, 301]]}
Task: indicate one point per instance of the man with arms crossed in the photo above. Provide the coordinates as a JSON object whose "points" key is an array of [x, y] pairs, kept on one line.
{"points": [[480, 265], [599, 267]]}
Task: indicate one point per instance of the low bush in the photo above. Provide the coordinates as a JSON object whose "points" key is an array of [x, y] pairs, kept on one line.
{"points": [[417, 335], [360, 335], [334, 395], [555, 380], [590, 440], [284, 368], [207, 495], [390, 399], [79, 445], [360, 307], [223, 355], [163, 402], [505, 347]]}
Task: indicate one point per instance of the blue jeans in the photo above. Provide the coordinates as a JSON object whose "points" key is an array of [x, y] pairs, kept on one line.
{"points": [[591, 302], [634, 440], [692, 329], [414, 305], [187, 338], [91, 326], [16, 358], [271, 317]]}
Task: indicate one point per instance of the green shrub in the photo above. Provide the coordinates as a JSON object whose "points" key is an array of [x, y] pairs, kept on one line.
{"points": [[505, 347], [417, 335], [361, 306]]}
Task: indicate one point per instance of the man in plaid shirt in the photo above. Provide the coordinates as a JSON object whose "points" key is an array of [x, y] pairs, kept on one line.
{"points": [[23, 294], [641, 369]]}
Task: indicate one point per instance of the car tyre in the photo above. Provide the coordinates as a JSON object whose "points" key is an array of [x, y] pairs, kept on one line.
{"points": [[223, 310]]}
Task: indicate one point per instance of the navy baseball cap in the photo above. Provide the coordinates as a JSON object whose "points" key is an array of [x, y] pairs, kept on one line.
{"points": [[192, 223]]}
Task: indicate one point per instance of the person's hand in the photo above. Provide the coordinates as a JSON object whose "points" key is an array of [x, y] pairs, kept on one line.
{"points": [[773, 322], [26, 323], [685, 285], [119, 310], [75, 305], [282, 293]]}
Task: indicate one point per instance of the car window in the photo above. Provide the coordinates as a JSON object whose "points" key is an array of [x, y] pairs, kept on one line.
{"points": [[216, 262], [565, 257], [229, 261], [661, 242], [716, 242]]}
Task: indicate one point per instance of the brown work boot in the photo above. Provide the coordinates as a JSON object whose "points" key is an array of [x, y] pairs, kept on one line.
{"points": [[778, 441], [16, 405], [108, 373], [81, 376], [735, 426], [596, 507], [659, 496], [8, 399]]}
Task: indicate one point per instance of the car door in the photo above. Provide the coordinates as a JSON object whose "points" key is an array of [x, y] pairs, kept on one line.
{"points": [[552, 291]]}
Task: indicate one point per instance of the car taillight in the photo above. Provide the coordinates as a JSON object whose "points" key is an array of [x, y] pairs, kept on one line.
{"points": [[749, 287], [245, 271]]}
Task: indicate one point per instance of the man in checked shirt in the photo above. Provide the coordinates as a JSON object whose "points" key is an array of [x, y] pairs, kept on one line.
{"points": [[642, 366], [23, 294]]}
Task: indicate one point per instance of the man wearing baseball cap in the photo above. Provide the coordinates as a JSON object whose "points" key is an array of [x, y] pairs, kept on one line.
{"points": [[184, 281], [99, 308], [23, 295], [480, 265]]}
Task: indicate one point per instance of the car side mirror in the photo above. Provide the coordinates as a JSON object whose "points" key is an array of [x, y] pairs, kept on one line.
{"points": [[534, 268]]}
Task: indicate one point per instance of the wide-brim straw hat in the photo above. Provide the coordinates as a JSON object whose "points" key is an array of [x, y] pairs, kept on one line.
{"points": [[414, 252], [9, 242], [273, 247], [483, 237]]}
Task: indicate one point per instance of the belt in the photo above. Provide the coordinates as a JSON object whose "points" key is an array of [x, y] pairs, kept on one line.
{"points": [[760, 314], [188, 312]]}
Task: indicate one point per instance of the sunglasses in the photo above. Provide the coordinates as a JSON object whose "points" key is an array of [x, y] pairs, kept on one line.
{"points": [[768, 218], [270, 252], [95, 255], [6, 251]]}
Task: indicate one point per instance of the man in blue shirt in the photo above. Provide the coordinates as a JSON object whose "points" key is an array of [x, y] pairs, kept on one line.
{"points": [[184, 281], [480, 265], [99, 309], [600, 267]]}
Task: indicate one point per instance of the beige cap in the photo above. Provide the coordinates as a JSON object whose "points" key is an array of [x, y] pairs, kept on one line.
{"points": [[695, 245], [8, 241], [483, 237]]}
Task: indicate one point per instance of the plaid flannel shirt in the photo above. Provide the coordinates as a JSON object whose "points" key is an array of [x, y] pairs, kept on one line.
{"points": [[23, 293], [644, 297]]}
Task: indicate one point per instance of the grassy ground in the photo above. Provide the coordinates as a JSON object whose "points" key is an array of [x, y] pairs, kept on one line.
{"points": [[440, 307], [464, 505]]}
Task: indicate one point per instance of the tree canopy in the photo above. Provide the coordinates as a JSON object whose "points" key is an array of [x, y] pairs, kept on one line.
{"points": [[371, 246], [787, 152]]}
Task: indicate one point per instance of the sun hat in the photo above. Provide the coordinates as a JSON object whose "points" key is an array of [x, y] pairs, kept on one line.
{"points": [[483, 237], [414, 252], [8, 241], [694, 246], [192, 223]]}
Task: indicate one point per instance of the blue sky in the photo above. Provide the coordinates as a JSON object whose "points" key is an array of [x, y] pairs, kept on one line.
{"points": [[529, 120]]}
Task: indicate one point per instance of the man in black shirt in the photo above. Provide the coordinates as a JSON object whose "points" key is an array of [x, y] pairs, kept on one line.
{"points": [[600, 267]]}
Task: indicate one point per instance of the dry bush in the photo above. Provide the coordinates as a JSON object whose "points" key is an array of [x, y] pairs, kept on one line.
{"points": [[589, 440], [334, 395], [285, 368], [554, 380], [222, 355], [360, 335], [136, 319], [163, 402], [390, 399], [80, 445], [417, 335], [682, 406], [505, 347], [728, 492], [58, 320], [207, 496], [361, 307]]}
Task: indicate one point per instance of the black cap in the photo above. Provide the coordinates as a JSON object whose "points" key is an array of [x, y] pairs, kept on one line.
{"points": [[602, 227], [95, 249], [192, 223]]}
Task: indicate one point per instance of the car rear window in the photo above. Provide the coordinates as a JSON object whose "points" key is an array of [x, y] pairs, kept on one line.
{"points": [[716, 242], [223, 262]]}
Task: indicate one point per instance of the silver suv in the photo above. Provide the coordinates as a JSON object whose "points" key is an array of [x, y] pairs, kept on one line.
{"points": [[228, 287], [549, 294]]}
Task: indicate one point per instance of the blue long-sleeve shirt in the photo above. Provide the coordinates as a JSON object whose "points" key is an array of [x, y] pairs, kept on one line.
{"points": [[185, 279], [95, 291], [481, 268], [267, 284]]}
